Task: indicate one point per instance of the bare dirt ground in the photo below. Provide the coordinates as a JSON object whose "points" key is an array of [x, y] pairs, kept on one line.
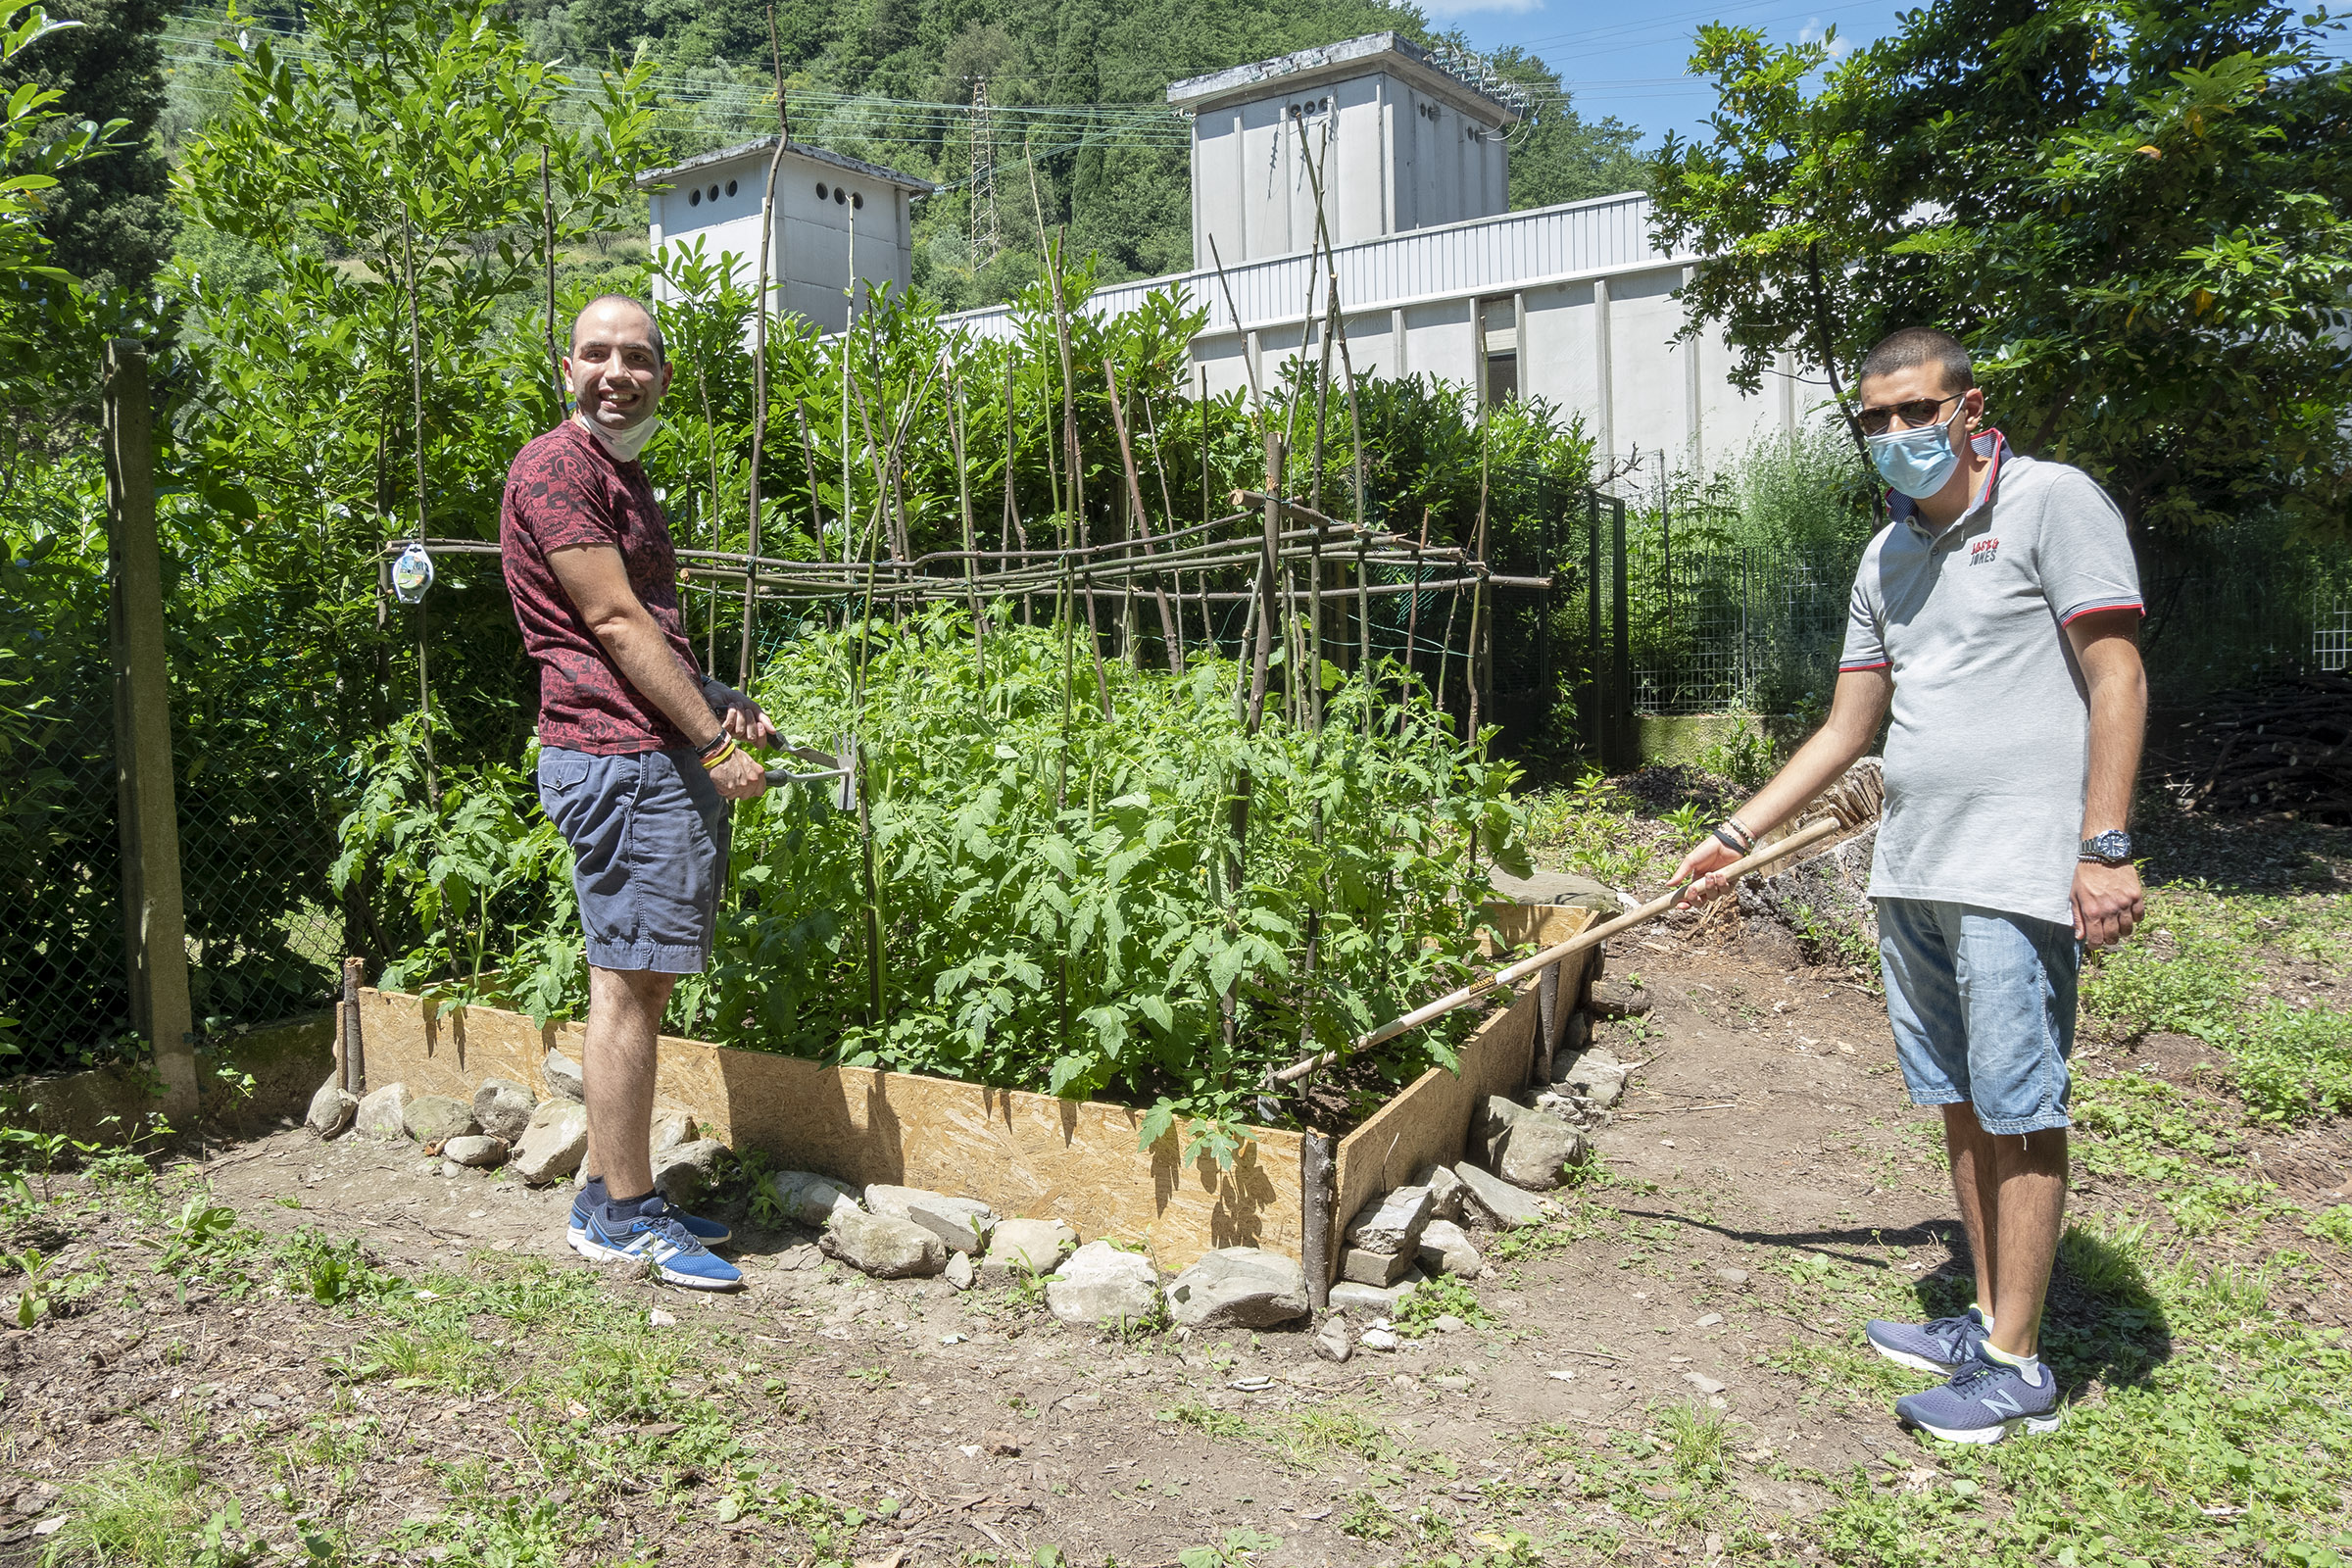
{"points": [[490, 1398]]}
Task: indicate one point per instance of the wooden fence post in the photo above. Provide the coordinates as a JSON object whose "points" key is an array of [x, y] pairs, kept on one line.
{"points": [[154, 922]]}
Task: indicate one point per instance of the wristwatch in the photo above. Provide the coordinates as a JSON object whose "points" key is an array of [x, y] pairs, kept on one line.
{"points": [[2111, 848]]}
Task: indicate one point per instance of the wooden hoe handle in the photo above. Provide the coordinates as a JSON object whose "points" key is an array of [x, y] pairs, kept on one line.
{"points": [[1591, 937]]}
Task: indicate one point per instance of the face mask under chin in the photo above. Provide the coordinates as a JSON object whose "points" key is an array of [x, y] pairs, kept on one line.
{"points": [[1917, 462], [624, 445]]}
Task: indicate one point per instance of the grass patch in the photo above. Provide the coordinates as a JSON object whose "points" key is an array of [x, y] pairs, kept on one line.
{"points": [[140, 1513]]}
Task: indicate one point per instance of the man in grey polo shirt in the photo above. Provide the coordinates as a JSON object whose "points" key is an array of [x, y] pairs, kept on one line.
{"points": [[1998, 613]]}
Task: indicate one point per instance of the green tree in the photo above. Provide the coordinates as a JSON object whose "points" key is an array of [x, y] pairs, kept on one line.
{"points": [[2135, 214], [108, 219]]}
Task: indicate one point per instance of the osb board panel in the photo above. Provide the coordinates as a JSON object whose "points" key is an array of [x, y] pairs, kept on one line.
{"points": [[1426, 1124], [1020, 1154]]}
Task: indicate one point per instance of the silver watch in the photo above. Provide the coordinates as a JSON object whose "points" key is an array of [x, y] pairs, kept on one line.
{"points": [[2111, 848]]}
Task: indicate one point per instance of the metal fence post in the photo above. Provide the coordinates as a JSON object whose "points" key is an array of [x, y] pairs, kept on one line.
{"points": [[1625, 739], [1595, 720], [154, 923]]}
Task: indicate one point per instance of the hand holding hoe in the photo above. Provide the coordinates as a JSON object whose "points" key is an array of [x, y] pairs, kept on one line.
{"points": [[1851, 803]]}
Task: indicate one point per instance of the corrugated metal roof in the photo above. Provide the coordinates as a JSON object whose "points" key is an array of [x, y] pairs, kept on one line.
{"points": [[1485, 256], [767, 144]]}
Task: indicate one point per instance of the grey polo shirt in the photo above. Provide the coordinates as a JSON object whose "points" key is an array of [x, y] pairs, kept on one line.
{"points": [[1988, 753]]}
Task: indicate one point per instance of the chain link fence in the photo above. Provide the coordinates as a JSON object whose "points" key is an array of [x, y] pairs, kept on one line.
{"points": [[1718, 630], [256, 834]]}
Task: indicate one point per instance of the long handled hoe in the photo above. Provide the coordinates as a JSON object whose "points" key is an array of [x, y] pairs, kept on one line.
{"points": [[1850, 805]]}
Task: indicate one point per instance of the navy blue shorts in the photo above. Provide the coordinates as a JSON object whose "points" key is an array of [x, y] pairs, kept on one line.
{"points": [[649, 843], [1983, 1005]]}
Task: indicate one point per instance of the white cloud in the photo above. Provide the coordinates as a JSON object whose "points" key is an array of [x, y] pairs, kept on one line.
{"points": [[1465, 8], [1815, 30]]}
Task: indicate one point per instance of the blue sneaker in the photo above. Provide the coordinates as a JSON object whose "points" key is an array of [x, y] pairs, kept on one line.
{"points": [[1942, 1346], [709, 1232], [653, 1238], [1985, 1401]]}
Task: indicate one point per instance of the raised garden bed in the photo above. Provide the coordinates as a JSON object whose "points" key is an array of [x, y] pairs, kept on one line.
{"points": [[1025, 1153]]}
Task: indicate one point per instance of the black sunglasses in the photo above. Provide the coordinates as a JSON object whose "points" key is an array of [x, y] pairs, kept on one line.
{"points": [[1914, 412]]}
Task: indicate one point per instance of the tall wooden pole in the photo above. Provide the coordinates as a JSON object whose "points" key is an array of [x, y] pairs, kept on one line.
{"points": [[154, 921]]}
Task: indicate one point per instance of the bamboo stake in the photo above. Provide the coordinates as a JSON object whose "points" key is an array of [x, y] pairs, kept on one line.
{"points": [[1135, 498], [547, 203], [425, 689], [768, 229], [964, 494]]}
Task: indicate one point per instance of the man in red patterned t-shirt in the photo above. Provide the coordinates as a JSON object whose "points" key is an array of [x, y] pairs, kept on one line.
{"points": [[639, 754]]}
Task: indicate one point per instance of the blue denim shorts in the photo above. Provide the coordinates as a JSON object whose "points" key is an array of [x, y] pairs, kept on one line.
{"points": [[1983, 1005], [649, 845]]}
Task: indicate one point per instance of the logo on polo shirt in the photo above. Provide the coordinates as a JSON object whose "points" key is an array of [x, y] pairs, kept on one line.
{"points": [[1982, 550]]}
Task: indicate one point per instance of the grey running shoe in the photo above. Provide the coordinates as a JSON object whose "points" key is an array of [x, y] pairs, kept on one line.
{"points": [[1985, 1401], [1942, 1346]]}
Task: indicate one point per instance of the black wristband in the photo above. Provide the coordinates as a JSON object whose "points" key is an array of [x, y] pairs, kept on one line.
{"points": [[1722, 836], [713, 745]]}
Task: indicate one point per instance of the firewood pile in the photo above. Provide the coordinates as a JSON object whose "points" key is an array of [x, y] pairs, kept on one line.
{"points": [[2285, 748]]}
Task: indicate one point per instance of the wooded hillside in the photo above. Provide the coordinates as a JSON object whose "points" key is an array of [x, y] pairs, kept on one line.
{"points": [[1120, 182]]}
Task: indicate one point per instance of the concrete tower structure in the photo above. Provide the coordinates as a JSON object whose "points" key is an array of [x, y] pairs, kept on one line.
{"points": [[1398, 141], [839, 220]]}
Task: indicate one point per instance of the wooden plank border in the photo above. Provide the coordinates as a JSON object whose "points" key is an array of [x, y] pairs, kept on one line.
{"points": [[1021, 1153]]}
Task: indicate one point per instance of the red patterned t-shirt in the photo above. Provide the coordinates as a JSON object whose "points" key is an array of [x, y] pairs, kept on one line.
{"points": [[566, 489]]}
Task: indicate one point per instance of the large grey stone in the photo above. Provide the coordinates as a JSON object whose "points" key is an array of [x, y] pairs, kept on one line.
{"points": [[673, 1128], [437, 1118], [1392, 1222], [963, 1223], [476, 1149], [1496, 1202], [503, 1108], [332, 1109], [1524, 1145], [1373, 1268], [1445, 1192], [1374, 1300], [808, 1199], [1238, 1288], [553, 1142], [1594, 1075], [1099, 1282], [384, 1112], [1027, 1247], [1618, 999], [681, 1175], [884, 1245], [564, 1077], [1446, 1249]]}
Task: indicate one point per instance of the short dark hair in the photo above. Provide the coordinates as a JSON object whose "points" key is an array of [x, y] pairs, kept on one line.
{"points": [[1921, 345], [653, 322]]}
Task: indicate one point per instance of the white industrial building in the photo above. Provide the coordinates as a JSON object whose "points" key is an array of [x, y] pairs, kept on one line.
{"points": [[837, 220], [1570, 303]]}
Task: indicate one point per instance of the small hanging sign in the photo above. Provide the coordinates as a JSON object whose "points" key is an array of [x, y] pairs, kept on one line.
{"points": [[413, 574]]}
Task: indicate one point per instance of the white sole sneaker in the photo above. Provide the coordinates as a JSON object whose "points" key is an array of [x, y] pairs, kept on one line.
{"points": [[2032, 1425], [1901, 1358], [596, 1253]]}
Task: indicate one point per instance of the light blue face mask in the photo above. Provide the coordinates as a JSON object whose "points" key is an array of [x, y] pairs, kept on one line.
{"points": [[1916, 462]]}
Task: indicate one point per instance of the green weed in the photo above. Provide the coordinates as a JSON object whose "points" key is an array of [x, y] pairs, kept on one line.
{"points": [[1418, 1312], [2332, 1225]]}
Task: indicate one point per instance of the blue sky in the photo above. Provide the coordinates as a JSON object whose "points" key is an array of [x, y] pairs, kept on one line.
{"points": [[1628, 60]]}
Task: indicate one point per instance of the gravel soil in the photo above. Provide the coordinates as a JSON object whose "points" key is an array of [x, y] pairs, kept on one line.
{"points": [[1763, 1187]]}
